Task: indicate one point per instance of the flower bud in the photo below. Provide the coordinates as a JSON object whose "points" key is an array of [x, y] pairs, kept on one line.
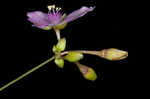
{"points": [[59, 62], [74, 56], [87, 72], [113, 54], [55, 49], [60, 46]]}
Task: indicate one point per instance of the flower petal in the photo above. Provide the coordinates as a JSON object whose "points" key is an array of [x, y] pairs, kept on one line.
{"points": [[77, 14], [38, 18]]}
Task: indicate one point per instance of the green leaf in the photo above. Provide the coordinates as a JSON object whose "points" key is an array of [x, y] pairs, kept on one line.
{"points": [[74, 56], [59, 62]]}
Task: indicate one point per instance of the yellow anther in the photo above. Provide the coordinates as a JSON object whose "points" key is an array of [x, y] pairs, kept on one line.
{"points": [[57, 9], [50, 7], [53, 7]]}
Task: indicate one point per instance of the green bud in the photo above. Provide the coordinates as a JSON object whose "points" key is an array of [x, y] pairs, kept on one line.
{"points": [[113, 54], [54, 49], [59, 62], [74, 56], [91, 75], [61, 45], [87, 72]]}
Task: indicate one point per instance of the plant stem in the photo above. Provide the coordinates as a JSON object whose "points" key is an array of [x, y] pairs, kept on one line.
{"points": [[82, 51], [57, 33], [27, 73]]}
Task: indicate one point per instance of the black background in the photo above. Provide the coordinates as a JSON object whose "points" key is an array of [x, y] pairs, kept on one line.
{"points": [[24, 46]]}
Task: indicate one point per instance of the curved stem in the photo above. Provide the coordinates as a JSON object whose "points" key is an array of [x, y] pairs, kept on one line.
{"points": [[27, 73]]}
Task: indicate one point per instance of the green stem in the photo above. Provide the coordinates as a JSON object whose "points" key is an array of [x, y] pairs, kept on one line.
{"points": [[57, 33], [83, 51], [27, 73]]}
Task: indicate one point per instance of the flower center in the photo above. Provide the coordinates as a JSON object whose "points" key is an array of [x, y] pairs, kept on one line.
{"points": [[54, 14]]}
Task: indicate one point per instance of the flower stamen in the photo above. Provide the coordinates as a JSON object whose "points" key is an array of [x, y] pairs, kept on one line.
{"points": [[53, 8]]}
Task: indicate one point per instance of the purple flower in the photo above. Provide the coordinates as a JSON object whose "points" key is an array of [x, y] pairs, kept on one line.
{"points": [[54, 18]]}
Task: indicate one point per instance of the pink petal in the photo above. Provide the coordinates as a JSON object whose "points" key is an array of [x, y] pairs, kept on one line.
{"points": [[38, 18], [77, 14]]}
